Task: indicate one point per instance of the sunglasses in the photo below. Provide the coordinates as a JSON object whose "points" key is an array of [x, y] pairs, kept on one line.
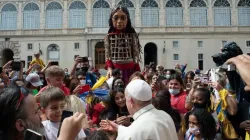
{"points": [[23, 92]]}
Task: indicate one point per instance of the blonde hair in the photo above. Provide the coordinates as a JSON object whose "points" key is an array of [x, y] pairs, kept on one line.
{"points": [[54, 71], [74, 104]]}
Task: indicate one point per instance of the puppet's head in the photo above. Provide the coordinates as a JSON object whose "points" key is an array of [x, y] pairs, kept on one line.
{"points": [[120, 20]]}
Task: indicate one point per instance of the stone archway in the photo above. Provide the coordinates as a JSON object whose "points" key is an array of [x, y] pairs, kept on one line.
{"points": [[9, 50], [7, 55], [150, 53]]}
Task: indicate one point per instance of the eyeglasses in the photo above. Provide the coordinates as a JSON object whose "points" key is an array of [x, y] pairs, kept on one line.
{"points": [[23, 92]]}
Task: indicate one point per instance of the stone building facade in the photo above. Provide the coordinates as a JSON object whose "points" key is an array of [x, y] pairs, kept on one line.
{"points": [[171, 31]]}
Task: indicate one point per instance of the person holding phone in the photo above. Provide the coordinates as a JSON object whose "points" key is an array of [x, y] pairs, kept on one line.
{"points": [[80, 69], [53, 103]]}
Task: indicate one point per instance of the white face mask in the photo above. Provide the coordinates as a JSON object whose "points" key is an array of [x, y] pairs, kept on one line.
{"points": [[174, 91], [194, 130], [167, 76], [83, 82]]}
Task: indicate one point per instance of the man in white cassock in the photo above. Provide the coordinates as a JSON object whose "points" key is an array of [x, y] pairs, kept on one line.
{"points": [[149, 123]]}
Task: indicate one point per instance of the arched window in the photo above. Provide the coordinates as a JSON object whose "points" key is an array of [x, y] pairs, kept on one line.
{"points": [[101, 13], [198, 13], [31, 16], [222, 13], [174, 13], [9, 17], [244, 13], [131, 9], [150, 13], [53, 52], [77, 15], [54, 16]]}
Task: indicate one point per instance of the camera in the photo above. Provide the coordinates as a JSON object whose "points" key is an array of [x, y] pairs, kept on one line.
{"points": [[230, 50]]}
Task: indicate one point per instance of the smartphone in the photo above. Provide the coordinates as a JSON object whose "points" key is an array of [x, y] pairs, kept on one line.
{"points": [[54, 63], [1, 69], [85, 88], [32, 135], [16, 66], [65, 114]]}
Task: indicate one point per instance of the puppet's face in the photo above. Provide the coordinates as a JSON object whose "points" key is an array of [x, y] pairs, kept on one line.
{"points": [[120, 20]]}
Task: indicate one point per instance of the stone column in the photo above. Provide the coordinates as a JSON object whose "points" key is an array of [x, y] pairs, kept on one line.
{"points": [[89, 14], [162, 15], [65, 16], [186, 15], [19, 16], [137, 14], [210, 13], [113, 3], [234, 12], [42, 14]]}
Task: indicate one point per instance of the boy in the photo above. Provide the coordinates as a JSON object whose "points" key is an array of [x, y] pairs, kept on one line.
{"points": [[54, 76], [53, 103]]}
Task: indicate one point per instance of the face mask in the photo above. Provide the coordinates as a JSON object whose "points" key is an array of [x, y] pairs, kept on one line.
{"points": [[85, 69], [174, 91], [196, 105], [193, 130], [83, 82], [167, 76]]}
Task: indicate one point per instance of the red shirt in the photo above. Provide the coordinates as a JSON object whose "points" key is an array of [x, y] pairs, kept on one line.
{"points": [[178, 102], [98, 108]]}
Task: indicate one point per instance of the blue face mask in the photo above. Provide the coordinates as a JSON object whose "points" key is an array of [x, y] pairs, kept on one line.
{"points": [[174, 91]]}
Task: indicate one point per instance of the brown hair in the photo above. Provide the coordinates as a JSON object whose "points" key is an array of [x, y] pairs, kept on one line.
{"points": [[51, 94], [136, 74], [54, 71]]}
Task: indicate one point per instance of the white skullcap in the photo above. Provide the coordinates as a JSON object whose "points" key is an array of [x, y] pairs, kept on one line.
{"points": [[139, 90]]}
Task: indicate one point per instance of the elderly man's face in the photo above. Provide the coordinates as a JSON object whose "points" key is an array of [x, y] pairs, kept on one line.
{"points": [[33, 120]]}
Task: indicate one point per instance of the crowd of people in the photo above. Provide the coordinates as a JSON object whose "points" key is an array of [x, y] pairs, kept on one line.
{"points": [[156, 103], [126, 104]]}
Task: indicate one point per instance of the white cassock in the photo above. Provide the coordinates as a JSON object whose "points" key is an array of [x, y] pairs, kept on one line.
{"points": [[149, 124]]}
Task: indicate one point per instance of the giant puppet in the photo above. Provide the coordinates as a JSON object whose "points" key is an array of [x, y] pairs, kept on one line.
{"points": [[122, 47]]}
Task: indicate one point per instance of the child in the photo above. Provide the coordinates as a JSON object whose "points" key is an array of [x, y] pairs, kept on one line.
{"points": [[54, 76], [201, 125], [53, 103]]}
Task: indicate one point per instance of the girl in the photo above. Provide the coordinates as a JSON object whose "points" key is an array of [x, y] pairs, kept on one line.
{"points": [[201, 125], [178, 95], [117, 109]]}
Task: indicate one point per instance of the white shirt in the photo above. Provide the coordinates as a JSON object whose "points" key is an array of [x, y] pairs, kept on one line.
{"points": [[51, 130], [110, 82], [149, 124]]}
